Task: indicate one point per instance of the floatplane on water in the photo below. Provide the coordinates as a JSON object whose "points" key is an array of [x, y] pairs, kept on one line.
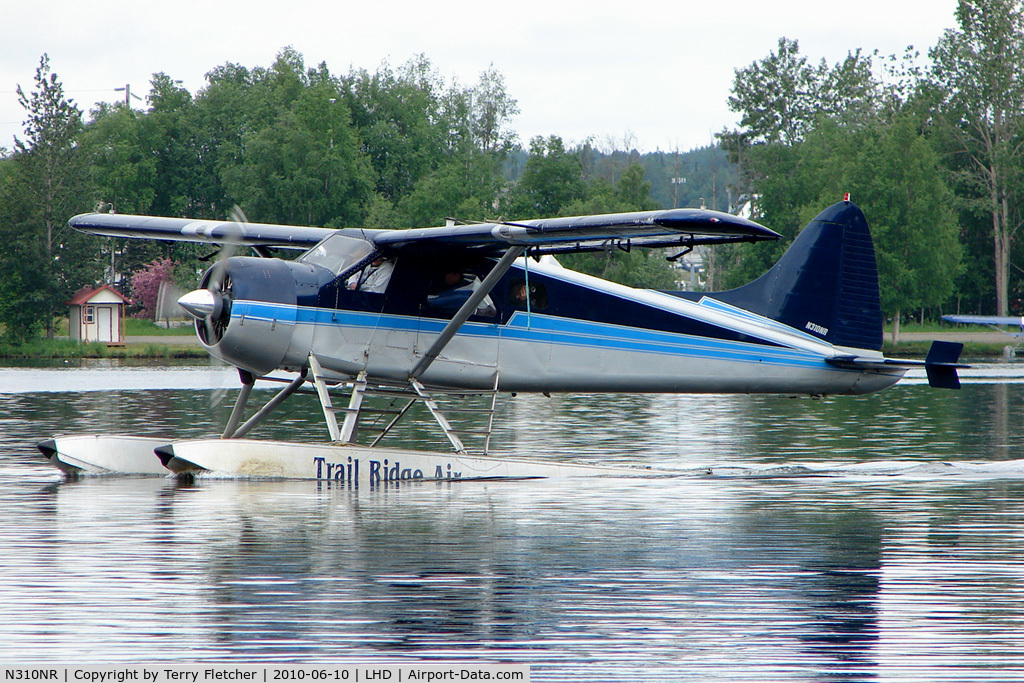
{"points": [[485, 308]]}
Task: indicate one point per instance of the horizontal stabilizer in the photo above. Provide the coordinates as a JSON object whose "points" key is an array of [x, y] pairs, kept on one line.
{"points": [[941, 364]]}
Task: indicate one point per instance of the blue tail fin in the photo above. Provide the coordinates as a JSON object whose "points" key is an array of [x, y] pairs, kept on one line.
{"points": [[826, 283]]}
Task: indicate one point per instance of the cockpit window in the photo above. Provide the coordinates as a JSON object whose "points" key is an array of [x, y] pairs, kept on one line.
{"points": [[337, 253]]}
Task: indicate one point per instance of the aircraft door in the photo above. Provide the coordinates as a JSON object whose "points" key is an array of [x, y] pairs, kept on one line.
{"points": [[433, 290]]}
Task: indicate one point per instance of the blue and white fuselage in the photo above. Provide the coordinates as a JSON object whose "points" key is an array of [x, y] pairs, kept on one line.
{"points": [[480, 308], [655, 342], [461, 307]]}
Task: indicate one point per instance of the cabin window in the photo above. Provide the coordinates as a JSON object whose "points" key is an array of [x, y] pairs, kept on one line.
{"points": [[453, 288], [90, 315], [517, 294], [337, 253]]}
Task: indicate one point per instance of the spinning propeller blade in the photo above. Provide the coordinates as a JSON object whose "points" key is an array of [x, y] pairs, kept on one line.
{"points": [[211, 304]]}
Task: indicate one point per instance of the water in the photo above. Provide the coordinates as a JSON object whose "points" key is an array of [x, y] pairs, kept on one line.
{"points": [[876, 538]]}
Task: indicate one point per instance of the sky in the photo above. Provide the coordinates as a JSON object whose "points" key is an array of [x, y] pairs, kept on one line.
{"points": [[641, 74]]}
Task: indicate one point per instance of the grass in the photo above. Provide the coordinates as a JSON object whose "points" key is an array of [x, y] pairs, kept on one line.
{"points": [[919, 349], [70, 349], [137, 327], [64, 348]]}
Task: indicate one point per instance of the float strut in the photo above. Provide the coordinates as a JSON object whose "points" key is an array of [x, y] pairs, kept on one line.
{"points": [[243, 396], [262, 413]]}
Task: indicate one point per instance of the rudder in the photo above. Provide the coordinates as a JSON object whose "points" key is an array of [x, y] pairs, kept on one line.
{"points": [[826, 284]]}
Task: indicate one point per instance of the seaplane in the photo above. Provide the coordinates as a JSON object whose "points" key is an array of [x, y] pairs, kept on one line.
{"points": [[478, 309], [996, 322]]}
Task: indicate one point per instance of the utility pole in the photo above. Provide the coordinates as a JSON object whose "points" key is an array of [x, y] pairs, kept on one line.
{"points": [[127, 89], [676, 181]]}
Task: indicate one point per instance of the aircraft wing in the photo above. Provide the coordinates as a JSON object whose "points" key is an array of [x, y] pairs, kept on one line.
{"points": [[189, 230], [643, 228], [986, 319]]}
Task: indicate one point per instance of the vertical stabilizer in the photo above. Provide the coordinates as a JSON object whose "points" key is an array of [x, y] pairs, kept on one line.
{"points": [[826, 284]]}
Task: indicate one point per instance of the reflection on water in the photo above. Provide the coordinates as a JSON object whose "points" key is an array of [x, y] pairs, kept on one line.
{"points": [[846, 539]]}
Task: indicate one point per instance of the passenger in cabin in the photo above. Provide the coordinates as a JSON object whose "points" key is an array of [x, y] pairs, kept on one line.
{"points": [[373, 278], [456, 288], [519, 294], [522, 295]]}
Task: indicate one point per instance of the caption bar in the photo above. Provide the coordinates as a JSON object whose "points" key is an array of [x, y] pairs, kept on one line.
{"points": [[305, 673]]}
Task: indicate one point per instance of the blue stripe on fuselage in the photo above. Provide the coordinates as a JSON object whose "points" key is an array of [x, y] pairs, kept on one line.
{"points": [[539, 328]]}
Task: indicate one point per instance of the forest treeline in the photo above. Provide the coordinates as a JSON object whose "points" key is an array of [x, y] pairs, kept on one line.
{"points": [[932, 153]]}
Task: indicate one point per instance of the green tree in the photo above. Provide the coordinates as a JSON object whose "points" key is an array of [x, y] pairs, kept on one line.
{"points": [[978, 78], [170, 136], [122, 171], [896, 173], [23, 286], [396, 113], [305, 166], [781, 96], [551, 180], [780, 99], [47, 180], [437, 149], [222, 113], [645, 268], [490, 110], [871, 146]]}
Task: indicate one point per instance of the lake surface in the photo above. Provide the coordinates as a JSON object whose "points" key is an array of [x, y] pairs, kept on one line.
{"points": [[876, 538]]}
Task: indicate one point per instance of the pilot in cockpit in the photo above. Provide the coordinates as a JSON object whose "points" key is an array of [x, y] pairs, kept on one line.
{"points": [[373, 278]]}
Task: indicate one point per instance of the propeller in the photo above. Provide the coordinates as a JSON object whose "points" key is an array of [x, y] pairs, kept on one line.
{"points": [[210, 305]]}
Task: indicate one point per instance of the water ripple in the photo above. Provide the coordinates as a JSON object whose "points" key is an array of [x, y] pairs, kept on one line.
{"points": [[843, 539]]}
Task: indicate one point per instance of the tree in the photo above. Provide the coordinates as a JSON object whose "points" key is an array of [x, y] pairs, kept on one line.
{"points": [[146, 282], [23, 285], [490, 109], [551, 180], [396, 114], [122, 171], [171, 138], [978, 76], [305, 167], [910, 209], [780, 99], [635, 267], [47, 181], [781, 96], [866, 140]]}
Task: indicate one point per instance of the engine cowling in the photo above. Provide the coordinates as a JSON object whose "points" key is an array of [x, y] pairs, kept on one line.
{"points": [[245, 312]]}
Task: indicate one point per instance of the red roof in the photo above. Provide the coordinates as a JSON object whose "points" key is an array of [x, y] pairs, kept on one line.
{"points": [[85, 294]]}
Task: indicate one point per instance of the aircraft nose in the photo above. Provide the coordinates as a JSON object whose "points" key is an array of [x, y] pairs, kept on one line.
{"points": [[201, 304]]}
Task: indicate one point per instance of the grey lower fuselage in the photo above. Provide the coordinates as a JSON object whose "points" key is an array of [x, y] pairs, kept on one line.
{"points": [[555, 349]]}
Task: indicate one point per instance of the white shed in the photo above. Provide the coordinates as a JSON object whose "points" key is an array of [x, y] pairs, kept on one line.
{"points": [[97, 315]]}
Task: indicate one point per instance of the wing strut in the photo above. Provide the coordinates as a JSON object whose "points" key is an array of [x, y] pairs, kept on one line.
{"points": [[467, 309]]}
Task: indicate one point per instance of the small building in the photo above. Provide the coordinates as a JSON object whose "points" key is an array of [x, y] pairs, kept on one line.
{"points": [[96, 314]]}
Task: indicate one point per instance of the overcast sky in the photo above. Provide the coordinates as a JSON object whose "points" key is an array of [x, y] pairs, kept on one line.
{"points": [[657, 74]]}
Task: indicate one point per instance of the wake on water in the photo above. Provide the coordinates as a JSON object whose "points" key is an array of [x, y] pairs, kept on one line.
{"points": [[1004, 469]]}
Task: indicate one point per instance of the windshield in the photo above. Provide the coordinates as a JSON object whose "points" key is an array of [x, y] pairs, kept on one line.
{"points": [[337, 253]]}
